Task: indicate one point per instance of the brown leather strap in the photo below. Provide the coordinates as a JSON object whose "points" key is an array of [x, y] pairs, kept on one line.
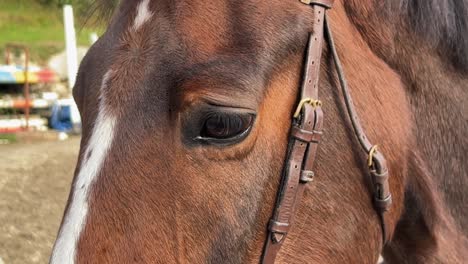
{"points": [[305, 135], [304, 138], [378, 165]]}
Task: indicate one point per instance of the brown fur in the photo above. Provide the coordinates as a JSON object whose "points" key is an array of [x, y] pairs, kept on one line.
{"points": [[437, 190], [161, 199]]}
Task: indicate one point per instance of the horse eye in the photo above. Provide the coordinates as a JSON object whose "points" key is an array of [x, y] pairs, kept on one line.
{"points": [[225, 126]]}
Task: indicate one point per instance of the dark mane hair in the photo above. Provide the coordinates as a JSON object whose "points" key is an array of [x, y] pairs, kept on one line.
{"points": [[442, 22], [100, 10]]}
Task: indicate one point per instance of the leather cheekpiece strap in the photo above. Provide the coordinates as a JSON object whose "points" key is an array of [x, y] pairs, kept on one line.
{"points": [[378, 165], [304, 137]]}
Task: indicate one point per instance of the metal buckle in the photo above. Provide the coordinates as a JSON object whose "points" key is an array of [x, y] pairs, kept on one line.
{"points": [[370, 160], [313, 102]]}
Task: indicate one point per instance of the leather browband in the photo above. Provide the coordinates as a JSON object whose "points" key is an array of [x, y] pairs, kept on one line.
{"points": [[305, 135]]}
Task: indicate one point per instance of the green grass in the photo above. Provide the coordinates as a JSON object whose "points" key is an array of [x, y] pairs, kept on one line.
{"points": [[38, 27], [7, 138]]}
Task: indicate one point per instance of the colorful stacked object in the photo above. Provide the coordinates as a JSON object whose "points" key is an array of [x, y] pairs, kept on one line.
{"points": [[10, 74], [19, 103]]}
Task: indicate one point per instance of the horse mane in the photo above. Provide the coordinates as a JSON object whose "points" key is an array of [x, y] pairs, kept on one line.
{"points": [[100, 10], [441, 22]]}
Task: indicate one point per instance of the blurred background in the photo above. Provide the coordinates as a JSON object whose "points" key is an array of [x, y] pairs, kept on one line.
{"points": [[42, 43]]}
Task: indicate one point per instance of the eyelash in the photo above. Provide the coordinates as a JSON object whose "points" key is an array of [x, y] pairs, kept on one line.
{"points": [[225, 126]]}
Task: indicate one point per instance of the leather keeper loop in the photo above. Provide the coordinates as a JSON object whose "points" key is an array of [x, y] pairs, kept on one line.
{"points": [[307, 176], [278, 227], [305, 135], [379, 178], [383, 204], [325, 3]]}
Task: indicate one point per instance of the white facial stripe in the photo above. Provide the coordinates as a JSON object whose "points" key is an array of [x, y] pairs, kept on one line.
{"points": [[143, 14], [100, 142]]}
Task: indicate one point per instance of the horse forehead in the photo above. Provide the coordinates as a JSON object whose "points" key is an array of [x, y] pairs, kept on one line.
{"points": [[156, 29], [187, 33], [202, 28], [150, 33], [205, 26]]}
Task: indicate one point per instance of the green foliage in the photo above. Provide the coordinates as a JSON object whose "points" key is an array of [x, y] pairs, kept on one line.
{"points": [[47, 2], [7, 138], [65, 2], [87, 12], [39, 25]]}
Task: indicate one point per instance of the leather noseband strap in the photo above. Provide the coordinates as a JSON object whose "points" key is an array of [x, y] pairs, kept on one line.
{"points": [[305, 135]]}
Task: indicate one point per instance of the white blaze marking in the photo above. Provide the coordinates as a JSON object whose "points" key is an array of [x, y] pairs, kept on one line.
{"points": [[143, 14], [96, 151]]}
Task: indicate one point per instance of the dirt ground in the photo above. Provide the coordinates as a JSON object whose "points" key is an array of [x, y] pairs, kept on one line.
{"points": [[34, 184]]}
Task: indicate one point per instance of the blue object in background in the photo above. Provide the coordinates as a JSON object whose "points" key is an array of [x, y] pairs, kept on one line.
{"points": [[61, 118], [6, 77]]}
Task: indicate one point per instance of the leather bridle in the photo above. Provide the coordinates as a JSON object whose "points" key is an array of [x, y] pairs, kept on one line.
{"points": [[305, 135]]}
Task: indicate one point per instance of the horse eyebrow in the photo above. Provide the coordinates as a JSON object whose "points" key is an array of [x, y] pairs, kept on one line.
{"points": [[232, 73]]}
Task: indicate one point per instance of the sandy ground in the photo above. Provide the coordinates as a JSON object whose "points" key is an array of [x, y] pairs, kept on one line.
{"points": [[34, 184]]}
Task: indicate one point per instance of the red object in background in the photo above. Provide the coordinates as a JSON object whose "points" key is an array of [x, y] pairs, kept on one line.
{"points": [[9, 130], [22, 104], [47, 76]]}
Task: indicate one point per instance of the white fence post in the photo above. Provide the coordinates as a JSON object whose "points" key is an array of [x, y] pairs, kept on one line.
{"points": [[70, 44], [72, 60]]}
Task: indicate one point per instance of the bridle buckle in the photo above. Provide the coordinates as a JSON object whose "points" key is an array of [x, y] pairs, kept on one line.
{"points": [[310, 101]]}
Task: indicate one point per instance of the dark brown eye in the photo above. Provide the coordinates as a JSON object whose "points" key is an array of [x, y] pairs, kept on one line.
{"points": [[226, 125]]}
